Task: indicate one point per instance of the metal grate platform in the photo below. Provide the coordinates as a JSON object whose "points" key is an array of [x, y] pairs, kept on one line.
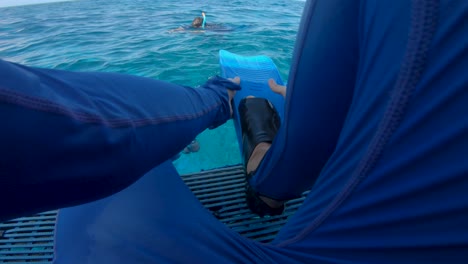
{"points": [[28, 239], [222, 191]]}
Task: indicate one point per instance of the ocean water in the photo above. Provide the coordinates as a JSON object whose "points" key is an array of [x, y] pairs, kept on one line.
{"points": [[136, 37]]}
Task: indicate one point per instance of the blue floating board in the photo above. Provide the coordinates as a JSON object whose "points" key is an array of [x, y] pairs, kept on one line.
{"points": [[254, 72]]}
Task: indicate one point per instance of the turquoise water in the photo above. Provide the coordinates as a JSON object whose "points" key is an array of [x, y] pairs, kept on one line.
{"points": [[134, 37]]}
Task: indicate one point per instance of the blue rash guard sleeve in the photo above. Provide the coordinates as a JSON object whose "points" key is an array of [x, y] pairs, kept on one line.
{"points": [[72, 137]]}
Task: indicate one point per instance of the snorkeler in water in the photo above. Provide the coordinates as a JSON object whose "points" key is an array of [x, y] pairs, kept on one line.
{"points": [[199, 21], [199, 24]]}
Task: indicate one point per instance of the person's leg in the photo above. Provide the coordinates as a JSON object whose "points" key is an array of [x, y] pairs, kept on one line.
{"points": [[319, 94], [261, 149], [73, 137], [394, 191], [152, 222], [260, 122]]}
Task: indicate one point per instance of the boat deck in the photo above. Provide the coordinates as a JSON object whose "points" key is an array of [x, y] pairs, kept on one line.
{"points": [[30, 239]]}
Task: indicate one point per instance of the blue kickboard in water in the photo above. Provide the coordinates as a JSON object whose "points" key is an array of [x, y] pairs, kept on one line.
{"points": [[254, 72]]}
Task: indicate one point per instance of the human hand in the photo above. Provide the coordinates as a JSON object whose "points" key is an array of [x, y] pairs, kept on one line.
{"points": [[232, 93], [279, 89], [222, 87]]}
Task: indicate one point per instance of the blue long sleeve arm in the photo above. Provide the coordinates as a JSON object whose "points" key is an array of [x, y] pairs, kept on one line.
{"points": [[72, 137]]}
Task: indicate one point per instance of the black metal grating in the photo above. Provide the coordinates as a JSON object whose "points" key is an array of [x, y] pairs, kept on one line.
{"points": [[28, 239], [222, 191]]}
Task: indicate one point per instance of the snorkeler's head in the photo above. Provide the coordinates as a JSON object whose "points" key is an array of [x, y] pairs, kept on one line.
{"points": [[197, 22]]}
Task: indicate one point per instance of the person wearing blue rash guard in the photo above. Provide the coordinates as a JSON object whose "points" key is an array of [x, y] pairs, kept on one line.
{"points": [[375, 123]]}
